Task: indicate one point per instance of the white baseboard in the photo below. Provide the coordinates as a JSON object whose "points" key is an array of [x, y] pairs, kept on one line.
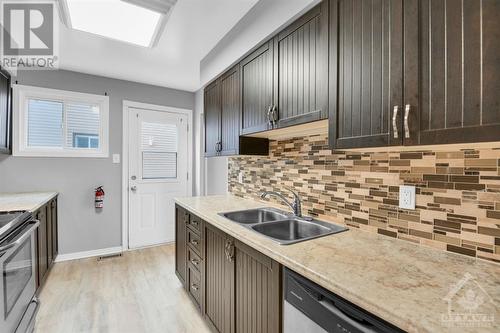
{"points": [[88, 254]]}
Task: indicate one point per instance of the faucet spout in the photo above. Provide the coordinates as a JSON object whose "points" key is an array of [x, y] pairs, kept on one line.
{"points": [[296, 206]]}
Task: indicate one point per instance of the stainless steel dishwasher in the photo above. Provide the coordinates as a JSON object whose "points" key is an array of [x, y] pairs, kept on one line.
{"points": [[313, 309]]}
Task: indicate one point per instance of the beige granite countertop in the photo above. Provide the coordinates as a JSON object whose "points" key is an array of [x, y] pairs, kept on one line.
{"points": [[398, 281], [30, 201]]}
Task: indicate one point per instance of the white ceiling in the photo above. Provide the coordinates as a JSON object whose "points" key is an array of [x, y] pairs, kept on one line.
{"points": [[193, 29]]}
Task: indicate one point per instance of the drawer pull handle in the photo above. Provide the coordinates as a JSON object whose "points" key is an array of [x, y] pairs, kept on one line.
{"points": [[194, 287], [195, 262], [195, 223], [194, 242], [395, 121]]}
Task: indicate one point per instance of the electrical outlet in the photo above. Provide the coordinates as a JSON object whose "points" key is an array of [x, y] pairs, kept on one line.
{"points": [[407, 197]]}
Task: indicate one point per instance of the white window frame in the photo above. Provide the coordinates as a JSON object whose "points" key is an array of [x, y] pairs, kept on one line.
{"points": [[20, 136]]}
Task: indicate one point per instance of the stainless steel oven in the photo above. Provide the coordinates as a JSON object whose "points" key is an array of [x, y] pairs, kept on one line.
{"points": [[18, 304]]}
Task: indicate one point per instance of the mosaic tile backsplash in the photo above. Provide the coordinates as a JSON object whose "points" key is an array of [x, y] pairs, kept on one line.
{"points": [[458, 191]]}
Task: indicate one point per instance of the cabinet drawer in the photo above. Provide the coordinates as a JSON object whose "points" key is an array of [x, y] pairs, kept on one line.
{"points": [[194, 260], [195, 223], [194, 284], [194, 241]]}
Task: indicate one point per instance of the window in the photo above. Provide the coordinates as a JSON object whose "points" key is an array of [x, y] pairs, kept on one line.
{"points": [[159, 151], [57, 123]]}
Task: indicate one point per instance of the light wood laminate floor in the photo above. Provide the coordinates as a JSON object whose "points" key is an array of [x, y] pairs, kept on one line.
{"points": [[138, 292]]}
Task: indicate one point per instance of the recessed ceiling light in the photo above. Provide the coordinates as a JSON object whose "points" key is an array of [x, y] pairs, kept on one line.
{"points": [[116, 19]]}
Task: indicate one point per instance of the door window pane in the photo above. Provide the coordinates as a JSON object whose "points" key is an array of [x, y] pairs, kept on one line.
{"points": [[159, 150], [45, 123]]}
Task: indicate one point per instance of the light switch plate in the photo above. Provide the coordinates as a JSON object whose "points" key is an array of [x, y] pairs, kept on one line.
{"points": [[407, 197], [116, 158]]}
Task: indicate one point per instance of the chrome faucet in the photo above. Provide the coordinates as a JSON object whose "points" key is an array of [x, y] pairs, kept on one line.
{"points": [[296, 206]]}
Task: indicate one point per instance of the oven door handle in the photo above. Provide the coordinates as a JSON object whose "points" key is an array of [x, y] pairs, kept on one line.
{"points": [[32, 226]]}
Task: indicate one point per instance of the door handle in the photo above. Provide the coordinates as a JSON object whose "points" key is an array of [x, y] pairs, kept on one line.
{"points": [[407, 116], [133, 188], [27, 233], [395, 121]]}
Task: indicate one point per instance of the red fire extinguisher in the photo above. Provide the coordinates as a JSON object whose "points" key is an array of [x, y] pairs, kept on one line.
{"points": [[99, 197]]}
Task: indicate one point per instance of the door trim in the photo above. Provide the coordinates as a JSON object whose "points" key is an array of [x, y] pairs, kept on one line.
{"points": [[125, 147]]}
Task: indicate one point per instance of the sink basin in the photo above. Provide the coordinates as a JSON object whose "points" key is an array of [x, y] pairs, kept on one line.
{"points": [[295, 230], [253, 216], [282, 227]]}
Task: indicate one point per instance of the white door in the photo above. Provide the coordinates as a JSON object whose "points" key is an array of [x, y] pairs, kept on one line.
{"points": [[158, 172]]}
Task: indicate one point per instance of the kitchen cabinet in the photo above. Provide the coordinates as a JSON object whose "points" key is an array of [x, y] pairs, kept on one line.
{"points": [[301, 70], [237, 288], [181, 220], [257, 291], [452, 66], [257, 89], [366, 41], [212, 112], [222, 119], [415, 72], [42, 246], [5, 112], [219, 307], [46, 240]]}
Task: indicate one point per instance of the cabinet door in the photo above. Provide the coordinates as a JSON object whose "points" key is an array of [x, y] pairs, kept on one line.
{"points": [[181, 219], [50, 252], [301, 69], [5, 112], [230, 111], [42, 245], [212, 119], [257, 89], [219, 281], [452, 82], [55, 240], [368, 84], [257, 291]]}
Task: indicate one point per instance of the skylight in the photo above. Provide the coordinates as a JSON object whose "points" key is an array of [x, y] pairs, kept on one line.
{"points": [[115, 19]]}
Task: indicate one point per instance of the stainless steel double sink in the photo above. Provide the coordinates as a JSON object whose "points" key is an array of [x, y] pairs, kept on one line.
{"points": [[282, 227]]}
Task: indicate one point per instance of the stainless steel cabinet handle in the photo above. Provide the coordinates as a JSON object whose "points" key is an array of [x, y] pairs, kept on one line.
{"points": [[269, 115], [407, 126], [194, 287], [274, 114], [194, 242], [195, 262], [395, 121]]}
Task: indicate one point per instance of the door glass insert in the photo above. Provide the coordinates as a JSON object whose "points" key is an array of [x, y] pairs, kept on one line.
{"points": [[159, 150], [17, 271]]}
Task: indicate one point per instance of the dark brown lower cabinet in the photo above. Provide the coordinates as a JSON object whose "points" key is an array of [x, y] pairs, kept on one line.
{"points": [[257, 291], [46, 240], [237, 288], [219, 280], [180, 245]]}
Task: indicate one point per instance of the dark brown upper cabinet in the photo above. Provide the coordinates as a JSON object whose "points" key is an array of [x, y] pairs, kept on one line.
{"points": [[301, 70], [452, 70], [5, 112], [230, 111], [430, 80], [366, 41], [212, 112], [257, 89], [222, 119]]}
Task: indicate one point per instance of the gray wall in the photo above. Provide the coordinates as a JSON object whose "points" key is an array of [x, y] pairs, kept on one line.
{"points": [[81, 228]]}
